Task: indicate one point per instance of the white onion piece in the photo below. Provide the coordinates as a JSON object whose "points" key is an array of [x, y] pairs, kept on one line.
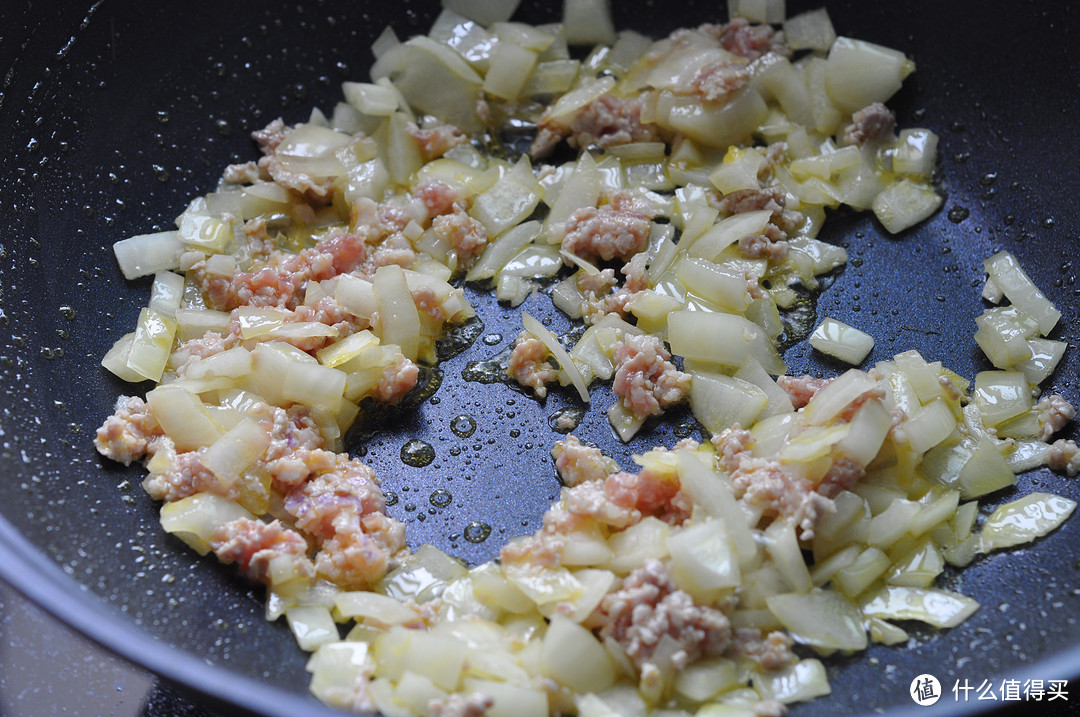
{"points": [[580, 190], [928, 426], [720, 401], [1001, 395], [484, 12], [312, 626], [566, 363], [373, 607], [588, 22], [703, 559], [837, 395], [151, 344], [811, 30], [1024, 520], [183, 417], [399, 319], [1045, 356], [194, 518], [234, 452], [314, 385], [939, 608], [858, 73], [916, 153], [1005, 271], [721, 339], [837, 339], [146, 254], [511, 199], [904, 204], [820, 619], [573, 657], [803, 681], [166, 293]]}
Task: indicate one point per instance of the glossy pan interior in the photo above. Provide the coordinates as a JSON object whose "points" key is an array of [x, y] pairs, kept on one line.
{"points": [[116, 112]]}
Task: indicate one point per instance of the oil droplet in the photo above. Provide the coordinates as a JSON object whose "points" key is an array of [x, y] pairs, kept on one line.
{"points": [[477, 532], [391, 497], [463, 425], [684, 430], [441, 498], [67, 312], [417, 453], [493, 339], [958, 214], [160, 172]]}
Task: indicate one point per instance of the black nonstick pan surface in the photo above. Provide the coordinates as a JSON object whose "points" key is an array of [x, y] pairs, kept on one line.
{"points": [[115, 113]]}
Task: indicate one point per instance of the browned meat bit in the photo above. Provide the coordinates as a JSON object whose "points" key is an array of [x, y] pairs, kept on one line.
{"points": [[397, 379], [269, 137], [528, 364], [762, 482], [606, 233], [752, 200], [842, 475], [436, 141], [1054, 412], [438, 197], [252, 544], [771, 651], [578, 463], [126, 435], [645, 379], [649, 617], [244, 173], [459, 705], [800, 389], [1064, 456], [466, 236], [869, 124], [623, 499], [720, 81], [605, 122], [745, 40], [771, 244]]}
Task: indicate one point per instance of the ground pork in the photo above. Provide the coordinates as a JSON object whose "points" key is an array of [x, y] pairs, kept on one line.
{"points": [[280, 283], [752, 200], [269, 137], [606, 233], [645, 379], [800, 389], [597, 305], [528, 364], [1064, 456], [771, 244], [459, 705], [577, 462], [648, 614], [334, 499], [869, 124], [745, 40], [438, 197], [719, 82], [761, 482], [398, 378], [771, 651], [605, 122], [358, 558], [623, 499], [466, 236], [436, 141], [252, 544], [242, 173], [395, 249], [125, 436], [1053, 412]]}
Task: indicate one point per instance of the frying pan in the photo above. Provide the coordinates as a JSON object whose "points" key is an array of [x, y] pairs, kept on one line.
{"points": [[117, 112]]}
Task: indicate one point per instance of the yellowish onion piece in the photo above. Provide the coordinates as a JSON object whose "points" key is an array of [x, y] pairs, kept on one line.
{"points": [[573, 657], [151, 344], [194, 518], [566, 363], [904, 204], [146, 254], [939, 608], [800, 682], [810, 30], [183, 417], [719, 401], [1005, 271], [1001, 395], [1024, 520], [721, 339], [233, 453], [821, 619], [588, 22], [837, 339], [859, 73], [312, 626]]}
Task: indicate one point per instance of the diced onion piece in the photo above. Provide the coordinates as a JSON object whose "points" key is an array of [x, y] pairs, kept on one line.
{"points": [[726, 232], [811, 30], [869, 427], [841, 341], [820, 619], [720, 401], [147, 254], [573, 657], [370, 99], [703, 560], [1045, 356], [434, 80], [312, 626], [859, 73], [905, 204], [580, 190], [708, 490], [314, 385], [347, 348], [151, 344], [717, 126], [513, 289], [929, 426], [335, 669], [763, 11], [1024, 520], [544, 585], [623, 420], [783, 545], [183, 417], [256, 321], [536, 261], [485, 12], [510, 700], [566, 363], [588, 22], [702, 680], [399, 320], [1001, 395], [115, 359], [916, 153], [720, 284], [194, 323], [511, 199], [721, 339], [234, 452], [194, 518], [638, 543], [374, 608], [166, 293], [939, 608], [837, 395], [1005, 271], [511, 66], [803, 681]]}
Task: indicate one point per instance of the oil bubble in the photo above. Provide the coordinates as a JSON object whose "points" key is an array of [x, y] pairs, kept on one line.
{"points": [[477, 532], [417, 453]]}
